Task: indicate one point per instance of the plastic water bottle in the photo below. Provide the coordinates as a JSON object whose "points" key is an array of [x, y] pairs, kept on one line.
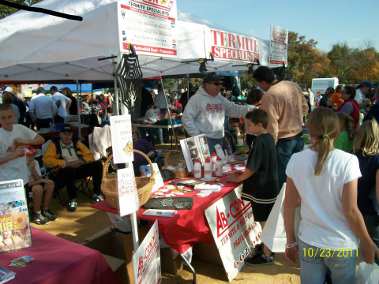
{"points": [[197, 169], [214, 161], [208, 168], [219, 164]]}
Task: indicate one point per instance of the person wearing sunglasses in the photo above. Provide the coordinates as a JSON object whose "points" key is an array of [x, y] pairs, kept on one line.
{"points": [[206, 110]]}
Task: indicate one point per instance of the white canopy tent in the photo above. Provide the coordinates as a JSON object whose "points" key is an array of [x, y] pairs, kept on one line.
{"points": [[39, 47]]}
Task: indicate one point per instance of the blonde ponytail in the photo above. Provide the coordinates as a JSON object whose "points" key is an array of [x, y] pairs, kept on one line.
{"points": [[323, 127]]}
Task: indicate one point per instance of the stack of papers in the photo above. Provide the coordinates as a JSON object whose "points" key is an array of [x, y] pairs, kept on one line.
{"points": [[159, 213]]}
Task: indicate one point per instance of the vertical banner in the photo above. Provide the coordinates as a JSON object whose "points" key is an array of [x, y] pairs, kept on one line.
{"points": [[127, 191], [278, 45], [234, 231], [122, 140], [150, 25], [14, 216], [235, 47], [146, 260]]}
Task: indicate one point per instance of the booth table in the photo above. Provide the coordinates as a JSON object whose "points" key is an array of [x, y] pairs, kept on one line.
{"points": [[59, 261]]}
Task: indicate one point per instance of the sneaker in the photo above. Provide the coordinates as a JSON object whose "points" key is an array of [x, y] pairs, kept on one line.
{"points": [[97, 197], [72, 204], [49, 215], [39, 219], [259, 259]]}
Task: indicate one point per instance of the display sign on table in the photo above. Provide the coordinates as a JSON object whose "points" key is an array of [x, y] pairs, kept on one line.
{"points": [[122, 140], [236, 47], [127, 191], [14, 218], [146, 260], [150, 25], [234, 230], [195, 147], [278, 45]]}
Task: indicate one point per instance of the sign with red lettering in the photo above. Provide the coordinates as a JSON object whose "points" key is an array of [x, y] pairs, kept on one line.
{"points": [[146, 260], [278, 45], [231, 46], [234, 230], [150, 25]]}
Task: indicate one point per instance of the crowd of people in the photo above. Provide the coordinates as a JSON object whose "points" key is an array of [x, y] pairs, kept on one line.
{"points": [[335, 180]]}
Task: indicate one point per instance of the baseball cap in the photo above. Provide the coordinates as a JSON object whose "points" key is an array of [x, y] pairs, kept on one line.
{"points": [[212, 77], [365, 83], [8, 90], [66, 128]]}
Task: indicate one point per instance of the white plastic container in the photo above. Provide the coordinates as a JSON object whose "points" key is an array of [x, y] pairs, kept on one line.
{"points": [[197, 169], [219, 165], [208, 168]]}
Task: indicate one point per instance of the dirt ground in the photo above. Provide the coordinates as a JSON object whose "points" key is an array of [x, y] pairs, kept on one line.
{"points": [[88, 224]]}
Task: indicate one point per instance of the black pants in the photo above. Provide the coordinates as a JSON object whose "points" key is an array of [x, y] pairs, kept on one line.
{"points": [[43, 123], [68, 176], [58, 119]]}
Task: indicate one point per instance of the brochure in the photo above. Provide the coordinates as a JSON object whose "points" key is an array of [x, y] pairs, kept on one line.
{"points": [[195, 147], [14, 217]]}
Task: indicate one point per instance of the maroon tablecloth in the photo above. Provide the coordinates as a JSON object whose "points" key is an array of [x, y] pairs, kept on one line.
{"points": [[58, 261], [186, 228]]}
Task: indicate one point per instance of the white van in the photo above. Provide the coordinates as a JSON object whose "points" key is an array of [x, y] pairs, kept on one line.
{"points": [[321, 84]]}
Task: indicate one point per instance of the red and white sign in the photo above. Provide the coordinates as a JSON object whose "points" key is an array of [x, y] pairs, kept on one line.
{"points": [[278, 45], [234, 230], [231, 46], [147, 260], [149, 25]]}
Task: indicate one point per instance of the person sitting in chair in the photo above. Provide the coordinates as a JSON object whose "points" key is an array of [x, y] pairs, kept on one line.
{"points": [[70, 160]]}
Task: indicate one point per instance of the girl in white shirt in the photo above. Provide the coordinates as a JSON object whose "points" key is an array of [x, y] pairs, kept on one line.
{"points": [[323, 182]]}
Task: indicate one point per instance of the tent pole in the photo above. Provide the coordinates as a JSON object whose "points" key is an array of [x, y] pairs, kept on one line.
{"points": [[79, 94], [116, 106], [169, 113]]}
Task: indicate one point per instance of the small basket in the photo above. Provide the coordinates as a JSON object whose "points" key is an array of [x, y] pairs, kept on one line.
{"points": [[109, 183]]}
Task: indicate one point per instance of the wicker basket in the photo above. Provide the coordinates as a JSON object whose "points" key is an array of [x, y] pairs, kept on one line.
{"points": [[109, 183]]}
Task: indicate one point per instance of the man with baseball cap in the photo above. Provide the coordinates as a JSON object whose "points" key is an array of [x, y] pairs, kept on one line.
{"points": [[70, 160], [206, 110]]}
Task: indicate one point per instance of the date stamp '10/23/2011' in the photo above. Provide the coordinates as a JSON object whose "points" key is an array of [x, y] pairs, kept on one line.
{"points": [[329, 253]]}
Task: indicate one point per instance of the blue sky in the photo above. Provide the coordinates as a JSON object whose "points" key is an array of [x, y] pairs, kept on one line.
{"points": [[327, 21]]}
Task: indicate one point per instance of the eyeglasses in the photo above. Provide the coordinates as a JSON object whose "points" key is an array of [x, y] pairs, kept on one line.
{"points": [[216, 83]]}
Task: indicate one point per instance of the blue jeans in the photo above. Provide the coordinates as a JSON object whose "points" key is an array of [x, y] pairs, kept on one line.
{"points": [[285, 148], [314, 265], [213, 142]]}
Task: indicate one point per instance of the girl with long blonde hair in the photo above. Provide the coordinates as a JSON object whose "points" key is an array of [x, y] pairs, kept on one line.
{"points": [[366, 147], [323, 180]]}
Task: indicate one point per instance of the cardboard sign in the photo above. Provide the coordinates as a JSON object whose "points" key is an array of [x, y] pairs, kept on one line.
{"points": [[150, 25], [234, 231], [127, 190], [278, 45], [147, 260], [14, 217], [122, 141]]}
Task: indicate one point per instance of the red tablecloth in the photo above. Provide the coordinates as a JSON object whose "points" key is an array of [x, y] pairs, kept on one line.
{"points": [[186, 228], [58, 261]]}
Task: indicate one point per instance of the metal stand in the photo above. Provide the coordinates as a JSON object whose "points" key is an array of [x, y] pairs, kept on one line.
{"points": [[169, 113], [186, 262]]}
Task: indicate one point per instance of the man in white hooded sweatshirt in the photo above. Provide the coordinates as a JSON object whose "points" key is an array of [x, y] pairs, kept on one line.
{"points": [[206, 110]]}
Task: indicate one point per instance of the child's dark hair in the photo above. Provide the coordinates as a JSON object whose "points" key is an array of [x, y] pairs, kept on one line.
{"points": [[254, 96], [4, 107], [264, 74], [258, 116], [346, 123]]}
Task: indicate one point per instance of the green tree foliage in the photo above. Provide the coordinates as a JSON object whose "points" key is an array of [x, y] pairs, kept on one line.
{"points": [[5, 10]]}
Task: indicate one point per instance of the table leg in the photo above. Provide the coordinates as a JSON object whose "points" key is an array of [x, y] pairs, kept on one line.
{"points": [[190, 267]]}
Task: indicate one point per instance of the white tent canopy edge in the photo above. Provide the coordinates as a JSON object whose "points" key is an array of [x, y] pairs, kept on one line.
{"points": [[50, 48]]}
